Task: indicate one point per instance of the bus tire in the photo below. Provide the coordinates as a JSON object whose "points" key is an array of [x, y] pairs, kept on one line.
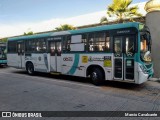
{"points": [[97, 77], [30, 68]]}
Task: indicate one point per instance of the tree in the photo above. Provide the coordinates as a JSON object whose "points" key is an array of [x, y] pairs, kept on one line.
{"points": [[121, 10], [4, 40], [28, 33], [65, 27], [104, 20]]}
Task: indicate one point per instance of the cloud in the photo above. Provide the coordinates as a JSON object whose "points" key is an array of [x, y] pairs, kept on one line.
{"points": [[8, 30]]}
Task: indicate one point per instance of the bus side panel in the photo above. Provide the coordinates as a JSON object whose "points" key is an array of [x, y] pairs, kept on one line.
{"points": [[13, 60], [69, 63], [77, 64], [102, 60], [40, 62]]}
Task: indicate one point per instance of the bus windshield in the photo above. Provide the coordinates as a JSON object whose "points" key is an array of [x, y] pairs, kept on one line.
{"points": [[146, 46]]}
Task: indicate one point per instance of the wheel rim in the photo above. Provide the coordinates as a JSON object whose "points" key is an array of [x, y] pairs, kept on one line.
{"points": [[94, 76]]}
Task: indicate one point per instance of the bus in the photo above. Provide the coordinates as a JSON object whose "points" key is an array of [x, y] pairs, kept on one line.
{"points": [[3, 54], [119, 52]]}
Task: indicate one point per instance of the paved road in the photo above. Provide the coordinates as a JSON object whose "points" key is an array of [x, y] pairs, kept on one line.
{"points": [[45, 92]]}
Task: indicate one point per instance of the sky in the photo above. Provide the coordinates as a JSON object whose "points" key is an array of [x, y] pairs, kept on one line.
{"points": [[19, 16]]}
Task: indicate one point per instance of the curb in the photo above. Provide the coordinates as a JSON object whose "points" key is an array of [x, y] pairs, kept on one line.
{"points": [[154, 79]]}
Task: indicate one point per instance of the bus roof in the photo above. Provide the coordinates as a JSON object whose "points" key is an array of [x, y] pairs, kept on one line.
{"points": [[84, 30]]}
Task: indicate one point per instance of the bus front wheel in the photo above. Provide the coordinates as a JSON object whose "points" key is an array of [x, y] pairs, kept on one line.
{"points": [[30, 68], [97, 77]]}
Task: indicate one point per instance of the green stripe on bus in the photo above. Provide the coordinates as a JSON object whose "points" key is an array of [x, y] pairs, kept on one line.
{"points": [[75, 65]]}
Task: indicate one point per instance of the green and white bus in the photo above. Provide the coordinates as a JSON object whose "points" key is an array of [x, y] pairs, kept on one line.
{"points": [[3, 54], [120, 52]]}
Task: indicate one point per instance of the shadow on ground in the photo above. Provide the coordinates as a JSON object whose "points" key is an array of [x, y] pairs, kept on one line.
{"points": [[3, 67], [115, 84]]}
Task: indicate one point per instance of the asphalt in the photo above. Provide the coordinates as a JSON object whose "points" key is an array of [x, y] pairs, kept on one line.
{"points": [[45, 92]]}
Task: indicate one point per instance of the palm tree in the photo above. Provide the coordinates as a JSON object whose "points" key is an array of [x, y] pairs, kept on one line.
{"points": [[121, 10], [65, 27], [104, 20], [28, 33]]}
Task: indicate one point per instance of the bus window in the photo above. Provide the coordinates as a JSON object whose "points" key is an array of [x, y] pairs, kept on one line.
{"points": [[33, 45], [100, 42], [118, 45], [58, 45], [145, 49], [68, 42], [84, 40], [97, 43], [52, 48], [19, 48], [12, 47], [130, 46], [107, 47], [41, 46], [143, 45], [91, 42]]}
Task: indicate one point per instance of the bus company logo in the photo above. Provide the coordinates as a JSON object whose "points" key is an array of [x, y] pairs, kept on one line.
{"points": [[67, 59]]}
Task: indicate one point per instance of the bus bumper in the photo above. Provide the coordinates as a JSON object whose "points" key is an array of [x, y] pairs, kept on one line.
{"points": [[142, 77], [3, 62]]}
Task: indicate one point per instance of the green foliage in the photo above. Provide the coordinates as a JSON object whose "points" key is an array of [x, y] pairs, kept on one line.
{"points": [[104, 20], [4, 40], [121, 10], [29, 33], [65, 27]]}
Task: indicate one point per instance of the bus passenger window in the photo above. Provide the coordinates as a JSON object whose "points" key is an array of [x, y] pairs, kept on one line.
{"points": [[97, 43], [44, 46], [41, 46], [84, 40], [91, 40], [68, 48], [52, 48], [59, 49], [12, 47], [37, 46], [107, 47], [19, 48], [32, 45], [100, 42]]}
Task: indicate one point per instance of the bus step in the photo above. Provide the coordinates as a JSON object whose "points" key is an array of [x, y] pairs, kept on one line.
{"points": [[55, 73]]}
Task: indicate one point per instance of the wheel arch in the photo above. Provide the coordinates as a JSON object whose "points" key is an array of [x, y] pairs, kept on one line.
{"points": [[28, 63], [91, 67]]}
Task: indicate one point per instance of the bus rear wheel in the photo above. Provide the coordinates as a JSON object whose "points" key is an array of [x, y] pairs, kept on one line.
{"points": [[30, 68], [97, 77]]}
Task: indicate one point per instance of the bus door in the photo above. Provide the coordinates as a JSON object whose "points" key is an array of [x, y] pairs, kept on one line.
{"points": [[20, 51], [124, 49], [55, 56]]}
